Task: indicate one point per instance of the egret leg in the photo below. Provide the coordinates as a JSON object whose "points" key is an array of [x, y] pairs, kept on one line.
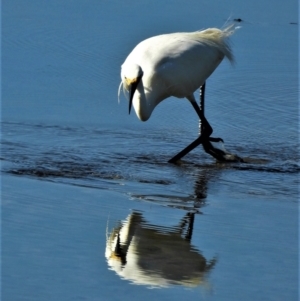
{"points": [[218, 154], [185, 151], [204, 124], [205, 128], [201, 127], [205, 131]]}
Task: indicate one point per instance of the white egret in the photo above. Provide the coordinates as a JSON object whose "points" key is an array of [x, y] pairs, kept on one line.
{"points": [[177, 64]]}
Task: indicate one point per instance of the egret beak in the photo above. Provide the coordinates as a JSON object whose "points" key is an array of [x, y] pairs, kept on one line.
{"points": [[133, 86]]}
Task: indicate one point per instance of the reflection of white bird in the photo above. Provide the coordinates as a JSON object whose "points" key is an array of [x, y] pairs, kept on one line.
{"points": [[155, 256], [177, 65]]}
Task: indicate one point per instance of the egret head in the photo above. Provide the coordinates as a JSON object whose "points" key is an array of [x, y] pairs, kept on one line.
{"points": [[131, 76]]}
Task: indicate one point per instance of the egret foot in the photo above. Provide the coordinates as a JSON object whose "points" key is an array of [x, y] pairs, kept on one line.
{"points": [[219, 153], [210, 146]]}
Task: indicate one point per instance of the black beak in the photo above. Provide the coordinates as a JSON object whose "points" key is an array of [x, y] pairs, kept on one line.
{"points": [[133, 87]]}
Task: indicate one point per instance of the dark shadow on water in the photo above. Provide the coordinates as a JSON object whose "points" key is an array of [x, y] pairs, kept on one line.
{"points": [[193, 201]]}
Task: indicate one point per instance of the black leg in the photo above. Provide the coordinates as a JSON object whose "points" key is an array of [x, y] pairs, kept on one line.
{"points": [[205, 128], [202, 93], [218, 154], [185, 151], [205, 131]]}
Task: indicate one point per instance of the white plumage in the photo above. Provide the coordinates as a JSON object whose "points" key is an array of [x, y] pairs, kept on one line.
{"points": [[174, 64]]}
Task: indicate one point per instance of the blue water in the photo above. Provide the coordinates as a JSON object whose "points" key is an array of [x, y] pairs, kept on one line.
{"points": [[76, 166]]}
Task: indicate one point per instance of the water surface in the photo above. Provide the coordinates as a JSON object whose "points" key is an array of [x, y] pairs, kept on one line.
{"points": [[83, 183]]}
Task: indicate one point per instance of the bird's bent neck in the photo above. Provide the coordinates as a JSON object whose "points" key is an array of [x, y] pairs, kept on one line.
{"points": [[148, 93], [144, 103]]}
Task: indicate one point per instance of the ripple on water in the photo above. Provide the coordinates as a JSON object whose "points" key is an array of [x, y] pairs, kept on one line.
{"points": [[105, 159]]}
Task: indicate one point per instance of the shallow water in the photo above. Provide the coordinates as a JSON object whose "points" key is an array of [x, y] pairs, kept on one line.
{"points": [[77, 171]]}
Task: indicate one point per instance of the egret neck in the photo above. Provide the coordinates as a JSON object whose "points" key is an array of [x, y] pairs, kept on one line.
{"points": [[143, 98]]}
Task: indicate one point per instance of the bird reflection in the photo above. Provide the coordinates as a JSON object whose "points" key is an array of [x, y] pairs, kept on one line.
{"points": [[156, 256]]}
